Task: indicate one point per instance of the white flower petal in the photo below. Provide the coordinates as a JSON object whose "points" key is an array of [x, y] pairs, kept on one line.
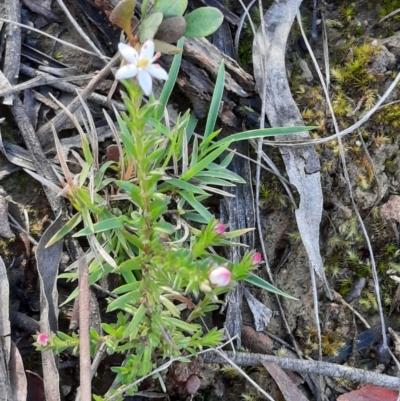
{"points": [[156, 71], [128, 53], [147, 50], [145, 82], [126, 71]]}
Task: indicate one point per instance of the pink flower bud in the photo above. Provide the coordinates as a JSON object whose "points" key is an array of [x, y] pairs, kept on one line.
{"points": [[220, 228], [43, 339], [220, 277], [256, 258]]}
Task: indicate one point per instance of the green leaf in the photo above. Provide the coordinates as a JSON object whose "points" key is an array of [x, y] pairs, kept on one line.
{"points": [[171, 8], [216, 101], [132, 190], [170, 83], [195, 217], [191, 126], [75, 220], [144, 8], [166, 48], [261, 133], [105, 225], [224, 174], [133, 325], [124, 300], [197, 206], [188, 327], [202, 164], [149, 26], [259, 282], [203, 22], [183, 185]]}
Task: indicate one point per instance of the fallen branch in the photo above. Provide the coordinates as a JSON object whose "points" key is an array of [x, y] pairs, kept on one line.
{"points": [[303, 366]]}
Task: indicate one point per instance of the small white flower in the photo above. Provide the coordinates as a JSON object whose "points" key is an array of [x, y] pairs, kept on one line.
{"points": [[141, 65]]}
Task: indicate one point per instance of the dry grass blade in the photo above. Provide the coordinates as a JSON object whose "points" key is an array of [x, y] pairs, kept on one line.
{"points": [[30, 28], [92, 132], [63, 162]]}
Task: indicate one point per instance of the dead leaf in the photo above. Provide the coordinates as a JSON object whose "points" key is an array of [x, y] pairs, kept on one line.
{"points": [[288, 389], [17, 375], [47, 260], [370, 393]]}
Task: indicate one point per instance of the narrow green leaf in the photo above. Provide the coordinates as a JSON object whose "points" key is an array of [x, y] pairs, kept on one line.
{"points": [[188, 327], [123, 300], [259, 282], [261, 133], [224, 174], [170, 83], [132, 190], [197, 206], [191, 126], [105, 225], [215, 102], [84, 173], [202, 164], [133, 325], [75, 220], [182, 185]]}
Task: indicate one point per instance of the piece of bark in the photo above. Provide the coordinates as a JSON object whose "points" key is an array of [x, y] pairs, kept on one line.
{"points": [[302, 163], [5, 230], [13, 46]]}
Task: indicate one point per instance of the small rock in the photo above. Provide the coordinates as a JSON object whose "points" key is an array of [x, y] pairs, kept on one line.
{"points": [[391, 209], [193, 384], [256, 341]]}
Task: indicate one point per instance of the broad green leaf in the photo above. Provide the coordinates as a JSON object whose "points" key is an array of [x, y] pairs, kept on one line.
{"points": [[215, 102], [149, 26], [259, 282], [203, 22], [171, 8], [75, 220], [105, 225]]}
